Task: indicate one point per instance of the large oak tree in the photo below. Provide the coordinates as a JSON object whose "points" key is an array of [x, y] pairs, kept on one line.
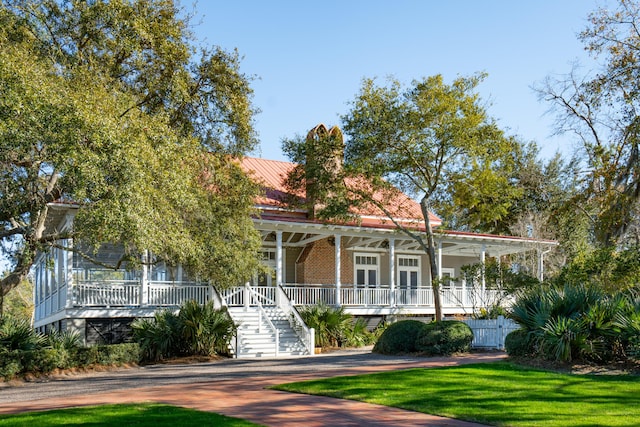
{"points": [[602, 111], [112, 107], [426, 139]]}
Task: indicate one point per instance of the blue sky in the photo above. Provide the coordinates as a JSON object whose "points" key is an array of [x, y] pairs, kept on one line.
{"points": [[310, 57]]}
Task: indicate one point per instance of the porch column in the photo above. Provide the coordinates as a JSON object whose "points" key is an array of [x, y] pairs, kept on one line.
{"points": [[483, 253], [69, 274], [338, 265], [392, 271], [279, 258], [541, 254], [439, 260], [144, 281]]}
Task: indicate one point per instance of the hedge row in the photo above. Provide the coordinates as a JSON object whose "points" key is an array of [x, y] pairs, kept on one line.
{"points": [[432, 339], [41, 361]]}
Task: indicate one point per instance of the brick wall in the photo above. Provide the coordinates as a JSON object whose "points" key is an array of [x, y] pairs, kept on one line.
{"points": [[316, 264]]}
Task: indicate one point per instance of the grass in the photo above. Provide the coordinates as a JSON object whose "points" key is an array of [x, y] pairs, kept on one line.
{"points": [[501, 394], [144, 414]]}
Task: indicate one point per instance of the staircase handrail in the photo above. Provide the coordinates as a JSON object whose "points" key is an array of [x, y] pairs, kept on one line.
{"points": [[265, 315], [305, 333], [218, 301]]}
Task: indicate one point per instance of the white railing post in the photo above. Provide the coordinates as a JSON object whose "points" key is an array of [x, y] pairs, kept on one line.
{"points": [[279, 258], [69, 275], [338, 268], [247, 296], [144, 282], [392, 272]]}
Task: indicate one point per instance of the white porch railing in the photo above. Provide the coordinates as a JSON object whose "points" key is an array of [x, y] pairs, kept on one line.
{"points": [[454, 297], [174, 294], [107, 293], [129, 293]]}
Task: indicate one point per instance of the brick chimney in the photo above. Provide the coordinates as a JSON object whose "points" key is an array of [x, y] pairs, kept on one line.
{"points": [[324, 160]]}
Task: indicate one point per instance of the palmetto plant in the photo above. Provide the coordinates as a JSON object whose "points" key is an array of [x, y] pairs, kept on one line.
{"points": [[628, 320], [195, 330], [578, 322], [205, 329], [65, 345], [17, 334], [158, 337], [330, 323]]}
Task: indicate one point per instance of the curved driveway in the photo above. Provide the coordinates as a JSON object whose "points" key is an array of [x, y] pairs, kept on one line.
{"points": [[236, 387]]}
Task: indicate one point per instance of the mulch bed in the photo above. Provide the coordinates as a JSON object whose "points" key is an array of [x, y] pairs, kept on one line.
{"points": [[581, 367]]}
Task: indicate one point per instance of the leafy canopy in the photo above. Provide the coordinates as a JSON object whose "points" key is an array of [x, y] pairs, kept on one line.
{"points": [[111, 107], [602, 111]]}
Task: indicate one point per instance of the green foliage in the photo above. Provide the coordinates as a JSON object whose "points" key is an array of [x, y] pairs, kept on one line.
{"points": [[195, 330], [601, 109], [439, 133], [158, 337], [517, 343], [577, 323], [609, 268], [112, 354], [17, 334], [357, 335], [19, 303], [399, 338], [132, 121], [206, 330], [444, 338], [331, 324], [64, 347], [498, 276], [24, 351]]}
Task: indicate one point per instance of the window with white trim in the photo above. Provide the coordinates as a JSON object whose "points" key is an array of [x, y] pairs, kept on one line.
{"points": [[268, 278], [408, 272], [448, 278], [367, 269]]}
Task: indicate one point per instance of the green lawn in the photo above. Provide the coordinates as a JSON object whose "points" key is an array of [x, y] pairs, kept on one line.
{"points": [[500, 394], [147, 414]]}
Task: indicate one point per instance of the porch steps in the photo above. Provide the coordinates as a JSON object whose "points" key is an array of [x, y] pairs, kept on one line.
{"points": [[257, 339]]}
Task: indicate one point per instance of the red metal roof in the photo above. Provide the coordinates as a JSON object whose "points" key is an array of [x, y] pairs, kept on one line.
{"points": [[271, 175]]}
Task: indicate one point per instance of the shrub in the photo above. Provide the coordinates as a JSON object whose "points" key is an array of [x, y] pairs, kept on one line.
{"points": [[357, 335], [206, 330], [63, 348], [330, 323], [578, 323], [196, 329], [399, 337], [518, 343], [17, 334], [158, 337], [444, 338]]}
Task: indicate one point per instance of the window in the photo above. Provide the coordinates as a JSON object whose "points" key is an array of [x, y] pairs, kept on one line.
{"points": [[267, 278], [448, 278], [367, 270], [408, 272]]}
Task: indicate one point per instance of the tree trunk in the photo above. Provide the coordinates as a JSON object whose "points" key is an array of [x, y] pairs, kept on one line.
{"points": [[431, 254]]}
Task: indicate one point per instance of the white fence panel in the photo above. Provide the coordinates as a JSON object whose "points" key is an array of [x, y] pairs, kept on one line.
{"points": [[490, 333]]}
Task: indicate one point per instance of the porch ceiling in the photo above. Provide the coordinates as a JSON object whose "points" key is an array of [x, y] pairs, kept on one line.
{"points": [[299, 234]]}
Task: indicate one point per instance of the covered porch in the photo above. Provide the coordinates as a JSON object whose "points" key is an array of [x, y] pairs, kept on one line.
{"points": [[366, 270]]}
